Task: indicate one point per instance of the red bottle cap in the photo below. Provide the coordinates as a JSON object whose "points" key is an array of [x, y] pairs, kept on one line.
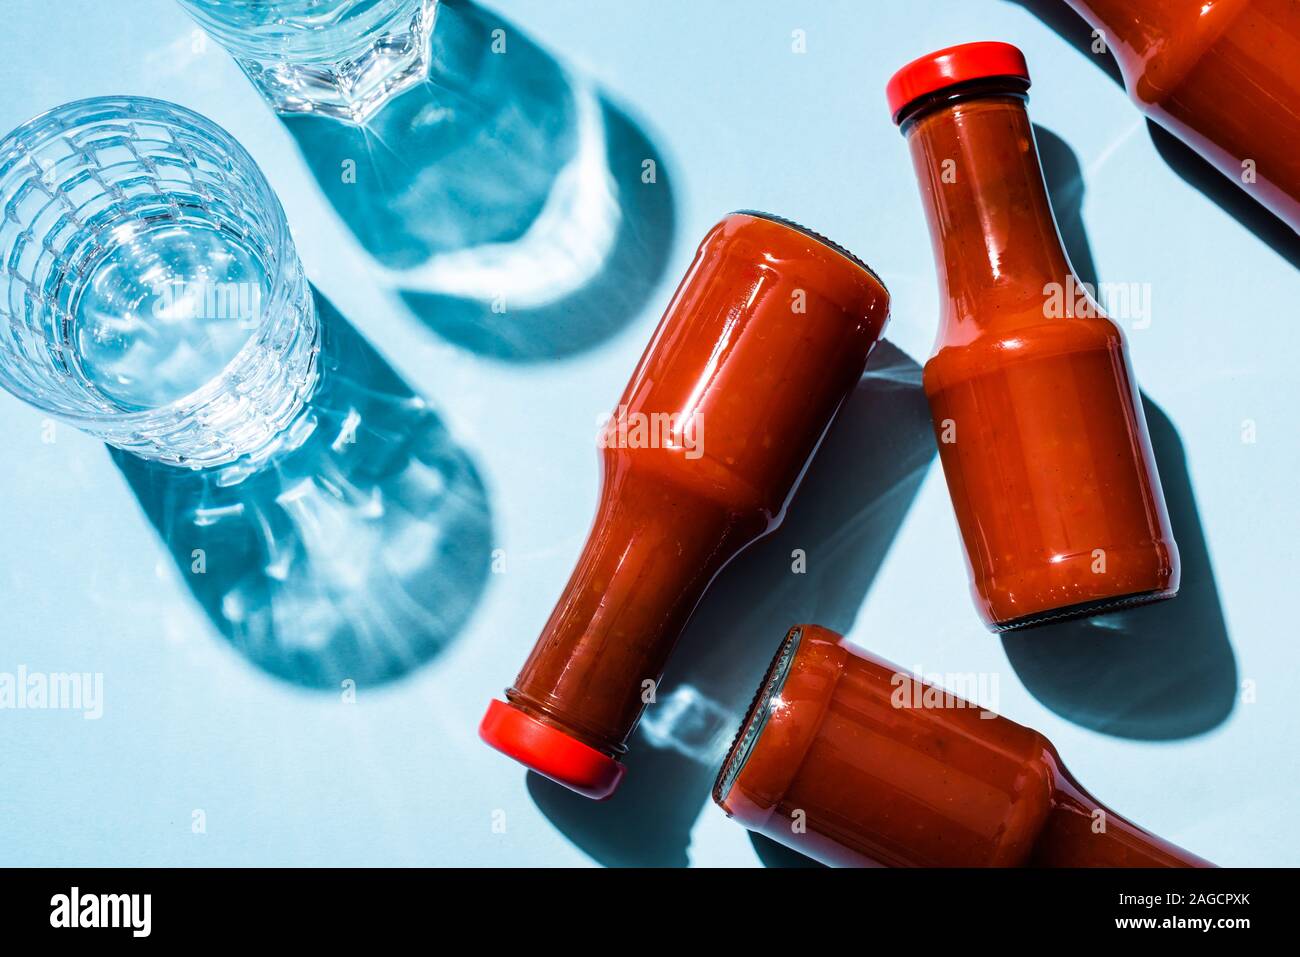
{"points": [[550, 752], [952, 65]]}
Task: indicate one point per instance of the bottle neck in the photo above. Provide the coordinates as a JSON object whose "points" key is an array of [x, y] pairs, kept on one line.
{"points": [[652, 551], [1082, 832], [996, 246], [1158, 43], [1109, 14], [1128, 33]]}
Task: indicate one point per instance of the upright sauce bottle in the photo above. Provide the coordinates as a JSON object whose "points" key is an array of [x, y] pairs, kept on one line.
{"points": [[1223, 76], [1040, 426], [767, 334], [850, 761]]}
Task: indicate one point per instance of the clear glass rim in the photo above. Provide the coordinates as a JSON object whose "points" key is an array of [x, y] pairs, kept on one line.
{"points": [[28, 135]]}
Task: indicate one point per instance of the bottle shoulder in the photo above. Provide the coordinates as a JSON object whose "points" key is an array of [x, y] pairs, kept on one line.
{"points": [[999, 346], [1158, 44]]}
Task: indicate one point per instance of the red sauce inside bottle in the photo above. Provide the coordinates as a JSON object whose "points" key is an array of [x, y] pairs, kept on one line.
{"points": [[767, 334], [1035, 407], [849, 760], [1222, 76]]}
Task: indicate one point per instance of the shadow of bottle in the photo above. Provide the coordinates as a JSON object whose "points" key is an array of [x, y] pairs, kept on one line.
{"points": [[520, 214], [817, 566], [356, 551], [1156, 672], [1181, 158]]}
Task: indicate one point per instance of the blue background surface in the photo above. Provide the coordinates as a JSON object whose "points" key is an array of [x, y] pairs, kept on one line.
{"points": [[1148, 712]]}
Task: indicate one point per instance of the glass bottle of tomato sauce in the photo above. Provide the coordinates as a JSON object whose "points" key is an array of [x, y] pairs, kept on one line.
{"points": [[765, 337], [849, 760], [1223, 76], [1040, 426]]}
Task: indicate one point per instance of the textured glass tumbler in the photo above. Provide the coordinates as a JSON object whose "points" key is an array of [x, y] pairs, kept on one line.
{"points": [[150, 293], [341, 58]]}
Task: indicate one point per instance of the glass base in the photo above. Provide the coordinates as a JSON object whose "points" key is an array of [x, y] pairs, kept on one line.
{"points": [[243, 415], [351, 88]]}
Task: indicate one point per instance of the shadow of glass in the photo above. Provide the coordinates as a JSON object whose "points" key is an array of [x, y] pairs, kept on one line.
{"points": [[518, 212], [817, 566], [1181, 158], [356, 551], [1156, 672]]}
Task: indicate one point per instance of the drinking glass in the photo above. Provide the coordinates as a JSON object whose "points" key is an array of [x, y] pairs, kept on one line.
{"points": [[341, 58], [511, 205], [150, 293]]}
